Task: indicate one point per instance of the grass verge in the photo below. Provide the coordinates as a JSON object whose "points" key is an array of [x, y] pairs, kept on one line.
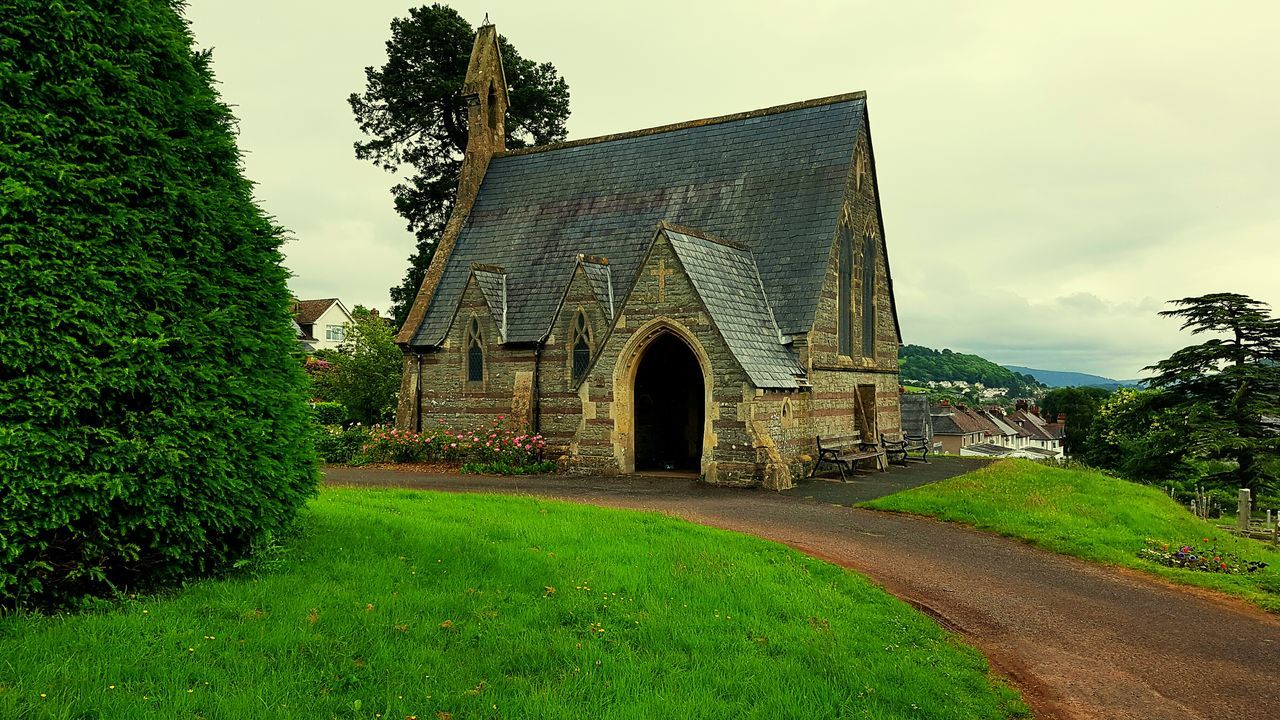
{"points": [[396, 603], [1089, 515]]}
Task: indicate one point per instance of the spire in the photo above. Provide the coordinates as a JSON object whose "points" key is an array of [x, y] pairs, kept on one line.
{"points": [[485, 91]]}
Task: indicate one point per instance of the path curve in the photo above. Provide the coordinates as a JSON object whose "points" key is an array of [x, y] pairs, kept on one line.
{"points": [[1079, 640]]}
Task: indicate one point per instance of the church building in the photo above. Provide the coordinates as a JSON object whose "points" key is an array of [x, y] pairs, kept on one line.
{"points": [[707, 297]]}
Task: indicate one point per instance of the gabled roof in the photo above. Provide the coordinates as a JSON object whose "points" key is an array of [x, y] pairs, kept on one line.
{"points": [[727, 279], [308, 311], [998, 420], [1032, 425], [771, 179], [601, 282], [492, 281], [952, 425]]}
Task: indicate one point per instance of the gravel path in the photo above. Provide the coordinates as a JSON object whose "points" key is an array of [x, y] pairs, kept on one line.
{"points": [[1079, 640]]}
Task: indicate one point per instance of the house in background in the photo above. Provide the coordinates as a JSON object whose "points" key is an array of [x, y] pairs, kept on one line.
{"points": [[322, 322], [988, 432], [955, 428]]}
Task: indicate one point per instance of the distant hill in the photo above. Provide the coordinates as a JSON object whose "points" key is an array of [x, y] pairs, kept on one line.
{"points": [[923, 364], [1062, 378]]}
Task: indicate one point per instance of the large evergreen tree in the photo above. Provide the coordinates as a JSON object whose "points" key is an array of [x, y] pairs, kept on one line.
{"points": [[414, 113], [152, 415], [1228, 387]]}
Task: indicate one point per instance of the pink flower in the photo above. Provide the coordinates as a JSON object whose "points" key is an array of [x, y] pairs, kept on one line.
{"points": [[453, 445], [500, 418]]}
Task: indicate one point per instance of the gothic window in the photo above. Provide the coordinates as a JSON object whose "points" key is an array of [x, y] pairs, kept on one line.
{"points": [[870, 246], [475, 353], [581, 346], [844, 310]]}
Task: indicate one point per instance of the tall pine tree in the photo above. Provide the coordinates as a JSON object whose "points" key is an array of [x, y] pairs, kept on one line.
{"points": [[153, 422], [413, 111], [1227, 388]]}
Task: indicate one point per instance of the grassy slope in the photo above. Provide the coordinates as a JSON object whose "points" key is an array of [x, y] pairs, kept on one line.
{"points": [[414, 603], [1089, 515]]}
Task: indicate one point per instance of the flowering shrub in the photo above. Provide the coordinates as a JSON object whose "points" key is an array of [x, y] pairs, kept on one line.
{"points": [[492, 446], [1205, 559]]}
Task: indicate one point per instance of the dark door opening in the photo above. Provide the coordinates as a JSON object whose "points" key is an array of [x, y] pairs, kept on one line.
{"points": [[669, 407]]}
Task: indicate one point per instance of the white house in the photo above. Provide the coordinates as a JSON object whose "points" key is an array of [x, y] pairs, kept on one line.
{"points": [[322, 322]]}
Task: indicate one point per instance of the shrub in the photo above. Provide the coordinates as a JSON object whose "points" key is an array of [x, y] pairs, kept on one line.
{"points": [[500, 467], [330, 413], [335, 444], [153, 422]]}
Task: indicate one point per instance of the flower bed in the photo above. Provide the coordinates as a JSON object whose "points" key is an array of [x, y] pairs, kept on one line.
{"points": [[492, 448], [1204, 559]]}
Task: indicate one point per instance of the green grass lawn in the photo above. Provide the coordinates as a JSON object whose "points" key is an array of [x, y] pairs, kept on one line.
{"points": [[1089, 515], [396, 603]]}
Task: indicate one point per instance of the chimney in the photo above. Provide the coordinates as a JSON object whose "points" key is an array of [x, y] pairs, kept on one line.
{"points": [[1062, 418], [1020, 405]]}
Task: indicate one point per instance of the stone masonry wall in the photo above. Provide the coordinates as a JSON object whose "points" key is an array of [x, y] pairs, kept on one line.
{"points": [[603, 445], [835, 377], [446, 395]]}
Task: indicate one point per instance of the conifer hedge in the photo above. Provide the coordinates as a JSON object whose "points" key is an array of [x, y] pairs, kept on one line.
{"points": [[152, 415]]}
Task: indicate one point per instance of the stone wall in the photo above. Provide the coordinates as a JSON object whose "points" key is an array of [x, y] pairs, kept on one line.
{"points": [[604, 442], [836, 377], [447, 397]]}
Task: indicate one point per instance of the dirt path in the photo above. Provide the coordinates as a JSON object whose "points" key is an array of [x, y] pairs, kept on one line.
{"points": [[1080, 641]]}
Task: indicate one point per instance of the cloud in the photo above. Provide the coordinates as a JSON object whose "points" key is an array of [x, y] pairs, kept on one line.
{"points": [[1049, 174]]}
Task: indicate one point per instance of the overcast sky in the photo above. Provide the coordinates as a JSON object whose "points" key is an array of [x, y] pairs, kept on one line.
{"points": [[1048, 176]]}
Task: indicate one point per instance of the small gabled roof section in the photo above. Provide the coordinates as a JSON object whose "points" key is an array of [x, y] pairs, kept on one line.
{"points": [[725, 276], [601, 281], [308, 311], [492, 281]]}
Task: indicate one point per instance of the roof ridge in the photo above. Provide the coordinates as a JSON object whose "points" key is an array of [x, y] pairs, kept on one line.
{"points": [[774, 110], [703, 235]]}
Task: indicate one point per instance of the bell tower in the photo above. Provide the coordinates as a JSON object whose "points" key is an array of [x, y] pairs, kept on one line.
{"points": [[485, 92]]}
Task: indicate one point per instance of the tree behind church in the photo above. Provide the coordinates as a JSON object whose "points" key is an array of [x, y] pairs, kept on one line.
{"points": [[153, 422], [413, 111]]}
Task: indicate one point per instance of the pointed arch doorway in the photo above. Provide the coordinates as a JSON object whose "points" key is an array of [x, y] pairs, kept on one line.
{"points": [[669, 406]]}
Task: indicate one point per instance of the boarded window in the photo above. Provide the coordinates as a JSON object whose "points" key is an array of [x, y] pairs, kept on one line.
{"points": [[865, 403], [581, 347], [869, 247], [475, 354], [844, 310]]}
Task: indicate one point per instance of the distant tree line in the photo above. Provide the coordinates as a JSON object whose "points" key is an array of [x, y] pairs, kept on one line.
{"points": [[926, 364]]}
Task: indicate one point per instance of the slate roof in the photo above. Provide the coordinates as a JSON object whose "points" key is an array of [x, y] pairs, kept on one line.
{"points": [[493, 286], [954, 421], [601, 281], [773, 180], [728, 281]]}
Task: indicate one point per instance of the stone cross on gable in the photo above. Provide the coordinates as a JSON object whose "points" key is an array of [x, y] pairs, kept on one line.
{"points": [[661, 272]]}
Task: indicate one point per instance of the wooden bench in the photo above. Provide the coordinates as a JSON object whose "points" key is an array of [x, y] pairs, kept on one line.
{"points": [[846, 453], [899, 451]]}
